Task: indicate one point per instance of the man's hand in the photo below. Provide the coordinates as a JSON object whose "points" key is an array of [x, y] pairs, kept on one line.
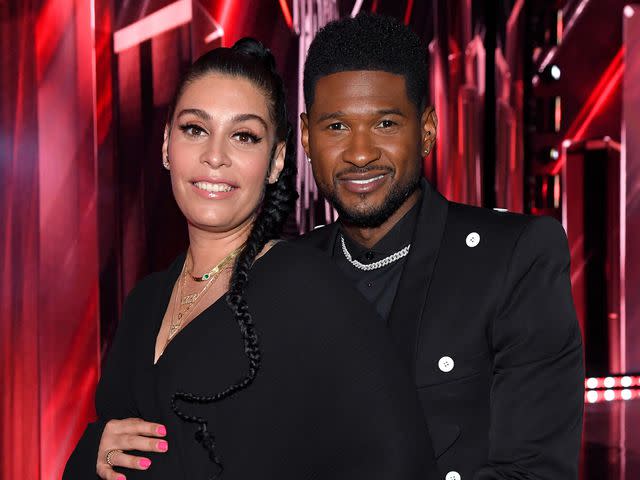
{"points": [[125, 435]]}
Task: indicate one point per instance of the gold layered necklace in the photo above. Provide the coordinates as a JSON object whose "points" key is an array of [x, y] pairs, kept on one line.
{"points": [[184, 305]]}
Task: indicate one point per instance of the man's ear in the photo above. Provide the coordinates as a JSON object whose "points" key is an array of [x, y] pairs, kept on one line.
{"points": [[304, 132], [428, 129], [277, 163]]}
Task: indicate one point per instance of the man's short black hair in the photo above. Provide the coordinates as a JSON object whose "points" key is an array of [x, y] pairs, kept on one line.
{"points": [[368, 42]]}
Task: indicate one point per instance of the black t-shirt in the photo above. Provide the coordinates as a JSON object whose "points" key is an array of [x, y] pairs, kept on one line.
{"points": [[378, 286]]}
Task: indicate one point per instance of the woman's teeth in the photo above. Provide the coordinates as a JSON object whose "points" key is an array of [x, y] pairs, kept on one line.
{"points": [[213, 187], [368, 180]]}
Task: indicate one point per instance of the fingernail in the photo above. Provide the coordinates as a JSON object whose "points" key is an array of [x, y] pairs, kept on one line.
{"points": [[144, 462], [121, 477], [161, 430], [163, 446]]}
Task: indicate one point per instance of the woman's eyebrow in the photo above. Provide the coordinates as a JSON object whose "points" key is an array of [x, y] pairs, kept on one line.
{"points": [[241, 117], [195, 111]]}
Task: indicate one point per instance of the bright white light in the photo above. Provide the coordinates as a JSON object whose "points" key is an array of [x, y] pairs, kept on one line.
{"points": [[555, 72], [356, 8], [626, 394], [592, 383], [216, 34], [609, 382], [172, 16], [566, 143], [592, 396], [501, 210], [554, 154], [629, 11], [609, 395], [625, 382]]}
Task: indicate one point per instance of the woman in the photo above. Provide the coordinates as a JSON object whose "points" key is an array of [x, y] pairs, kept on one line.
{"points": [[292, 376]]}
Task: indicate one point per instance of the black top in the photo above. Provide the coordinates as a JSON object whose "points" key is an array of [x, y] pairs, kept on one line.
{"points": [[330, 401], [378, 286]]}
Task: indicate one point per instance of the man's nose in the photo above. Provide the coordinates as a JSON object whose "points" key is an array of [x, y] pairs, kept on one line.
{"points": [[361, 150]]}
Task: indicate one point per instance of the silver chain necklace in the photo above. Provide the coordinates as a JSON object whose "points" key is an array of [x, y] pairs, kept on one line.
{"points": [[380, 263]]}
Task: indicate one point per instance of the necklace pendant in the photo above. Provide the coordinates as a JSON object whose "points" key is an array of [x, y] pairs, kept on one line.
{"points": [[186, 300], [173, 329]]}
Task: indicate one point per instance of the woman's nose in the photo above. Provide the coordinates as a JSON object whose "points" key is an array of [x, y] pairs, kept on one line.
{"points": [[215, 154]]}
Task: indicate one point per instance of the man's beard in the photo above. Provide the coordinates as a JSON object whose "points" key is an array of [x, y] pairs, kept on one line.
{"points": [[374, 216]]}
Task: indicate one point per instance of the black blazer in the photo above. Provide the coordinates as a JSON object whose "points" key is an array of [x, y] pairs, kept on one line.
{"points": [[485, 320]]}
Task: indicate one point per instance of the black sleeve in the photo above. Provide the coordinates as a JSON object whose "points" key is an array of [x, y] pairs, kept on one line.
{"points": [[364, 400], [537, 394], [113, 399]]}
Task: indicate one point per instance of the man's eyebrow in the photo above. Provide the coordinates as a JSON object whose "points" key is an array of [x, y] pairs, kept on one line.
{"points": [[330, 116], [338, 115], [241, 117], [391, 111], [194, 111]]}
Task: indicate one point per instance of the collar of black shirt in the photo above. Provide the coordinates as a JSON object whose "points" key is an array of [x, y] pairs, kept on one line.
{"points": [[398, 237]]}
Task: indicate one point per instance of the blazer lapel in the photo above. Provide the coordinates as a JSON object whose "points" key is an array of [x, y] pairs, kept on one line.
{"points": [[411, 297], [323, 238]]}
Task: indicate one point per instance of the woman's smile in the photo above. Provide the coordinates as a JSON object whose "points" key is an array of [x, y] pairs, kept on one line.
{"points": [[214, 189]]}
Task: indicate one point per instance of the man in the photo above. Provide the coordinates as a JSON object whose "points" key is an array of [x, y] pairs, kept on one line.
{"points": [[478, 301]]}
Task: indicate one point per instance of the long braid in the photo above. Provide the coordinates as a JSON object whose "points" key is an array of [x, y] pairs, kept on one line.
{"points": [[278, 203]]}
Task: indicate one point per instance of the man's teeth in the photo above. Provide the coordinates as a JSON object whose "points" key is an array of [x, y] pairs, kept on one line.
{"points": [[213, 187], [368, 180]]}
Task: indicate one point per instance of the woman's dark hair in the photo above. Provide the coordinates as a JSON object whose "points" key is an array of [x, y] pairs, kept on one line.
{"points": [[247, 59]]}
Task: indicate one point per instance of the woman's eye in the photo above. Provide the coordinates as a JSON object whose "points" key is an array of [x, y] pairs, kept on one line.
{"points": [[193, 130], [246, 137], [337, 126], [387, 124]]}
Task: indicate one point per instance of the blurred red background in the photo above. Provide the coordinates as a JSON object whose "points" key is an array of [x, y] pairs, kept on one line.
{"points": [[539, 107]]}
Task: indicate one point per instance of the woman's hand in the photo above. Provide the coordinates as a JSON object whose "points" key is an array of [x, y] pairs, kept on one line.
{"points": [[125, 435]]}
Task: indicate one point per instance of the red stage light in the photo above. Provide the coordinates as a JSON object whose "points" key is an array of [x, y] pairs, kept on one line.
{"points": [[284, 6], [407, 12], [602, 93]]}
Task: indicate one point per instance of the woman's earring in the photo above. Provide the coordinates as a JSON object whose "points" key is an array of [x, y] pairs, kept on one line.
{"points": [[165, 162], [309, 159]]}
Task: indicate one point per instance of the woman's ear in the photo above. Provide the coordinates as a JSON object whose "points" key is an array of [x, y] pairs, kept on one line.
{"points": [[277, 164], [165, 147], [304, 133]]}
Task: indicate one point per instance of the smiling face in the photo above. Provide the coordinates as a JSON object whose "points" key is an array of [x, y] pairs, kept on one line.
{"points": [[219, 146], [365, 139]]}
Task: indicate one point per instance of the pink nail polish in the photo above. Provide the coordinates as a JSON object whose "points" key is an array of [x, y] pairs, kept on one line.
{"points": [[121, 477], [163, 446], [144, 462], [161, 430]]}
